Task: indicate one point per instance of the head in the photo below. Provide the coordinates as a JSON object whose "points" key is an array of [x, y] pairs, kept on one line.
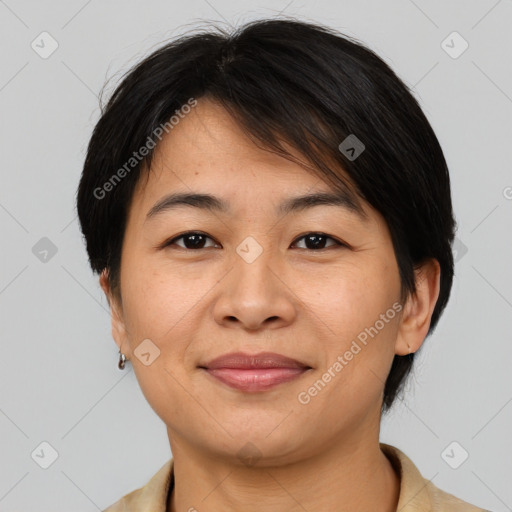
{"points": [[256, 119]]}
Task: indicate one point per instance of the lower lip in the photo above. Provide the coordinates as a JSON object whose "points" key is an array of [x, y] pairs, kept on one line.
{"points": [[255, 379]]}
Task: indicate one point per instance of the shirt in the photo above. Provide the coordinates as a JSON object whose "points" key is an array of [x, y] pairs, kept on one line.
{"points": [[417, 494]]}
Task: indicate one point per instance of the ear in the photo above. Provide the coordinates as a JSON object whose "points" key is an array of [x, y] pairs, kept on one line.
{"points": [[118, 326], [418, 309]]}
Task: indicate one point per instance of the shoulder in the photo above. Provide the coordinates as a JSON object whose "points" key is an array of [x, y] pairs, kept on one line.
{"points": [[127, 502], [151, 497], [417, 494], [443, 501]]}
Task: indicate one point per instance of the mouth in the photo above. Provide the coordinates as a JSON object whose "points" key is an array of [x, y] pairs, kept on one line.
{"points": [[254, 372]]}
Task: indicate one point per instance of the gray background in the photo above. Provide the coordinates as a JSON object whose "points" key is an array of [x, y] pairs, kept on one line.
{"points": [[59, 380]]}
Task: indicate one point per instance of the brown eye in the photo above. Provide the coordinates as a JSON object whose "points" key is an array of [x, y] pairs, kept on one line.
{"points": [[317, 241], [191, 240], [195, 240]]}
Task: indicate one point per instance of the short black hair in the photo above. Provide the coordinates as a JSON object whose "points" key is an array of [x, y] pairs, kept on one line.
{"points": [[292, 81]]}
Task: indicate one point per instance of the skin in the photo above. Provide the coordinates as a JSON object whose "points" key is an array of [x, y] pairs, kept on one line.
{"points": [[294, 299]]}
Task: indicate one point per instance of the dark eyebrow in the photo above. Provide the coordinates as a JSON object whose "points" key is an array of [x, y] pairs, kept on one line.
{"points": [[176, 200], [211, 203], [340, 199]]}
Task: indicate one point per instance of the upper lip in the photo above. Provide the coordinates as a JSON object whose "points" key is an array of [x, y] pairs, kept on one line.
{"points": [[243, 361]]}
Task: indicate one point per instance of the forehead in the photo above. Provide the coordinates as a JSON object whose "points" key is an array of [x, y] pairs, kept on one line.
{"points": [[209, 152], [209, 139]]}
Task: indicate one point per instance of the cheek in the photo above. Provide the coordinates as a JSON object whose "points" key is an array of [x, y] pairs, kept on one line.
{"points": [[356, 310], [156, 310], [156, 301], [350, 298]]}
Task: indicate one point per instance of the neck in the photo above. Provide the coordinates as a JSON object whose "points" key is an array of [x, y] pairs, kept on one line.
{"points": [[351, 477]]}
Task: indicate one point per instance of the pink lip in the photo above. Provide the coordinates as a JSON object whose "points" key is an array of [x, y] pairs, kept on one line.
{"points": [[257, 372]]}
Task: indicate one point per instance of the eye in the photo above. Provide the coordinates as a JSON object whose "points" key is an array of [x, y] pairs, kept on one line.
{"points": [[316, 241], [196, 240], [191, 240]]}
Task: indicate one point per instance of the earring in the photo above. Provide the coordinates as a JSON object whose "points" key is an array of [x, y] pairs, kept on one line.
{"points": [[409, 348], [122, 360]]}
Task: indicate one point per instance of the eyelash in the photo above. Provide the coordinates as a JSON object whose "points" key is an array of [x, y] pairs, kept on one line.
{"points": [[189, 233]]}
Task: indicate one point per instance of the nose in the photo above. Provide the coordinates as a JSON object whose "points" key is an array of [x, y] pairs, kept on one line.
{"points": [[255, 295]]}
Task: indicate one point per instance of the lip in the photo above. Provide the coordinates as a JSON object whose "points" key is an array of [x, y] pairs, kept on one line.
{"points": [[254, 372], [243, 361]]}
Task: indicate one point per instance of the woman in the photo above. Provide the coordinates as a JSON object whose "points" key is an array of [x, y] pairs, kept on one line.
{"points": [[269, 212]]}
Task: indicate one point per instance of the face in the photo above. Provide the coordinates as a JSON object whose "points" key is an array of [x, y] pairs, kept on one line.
{"points": [[309, 284]]}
